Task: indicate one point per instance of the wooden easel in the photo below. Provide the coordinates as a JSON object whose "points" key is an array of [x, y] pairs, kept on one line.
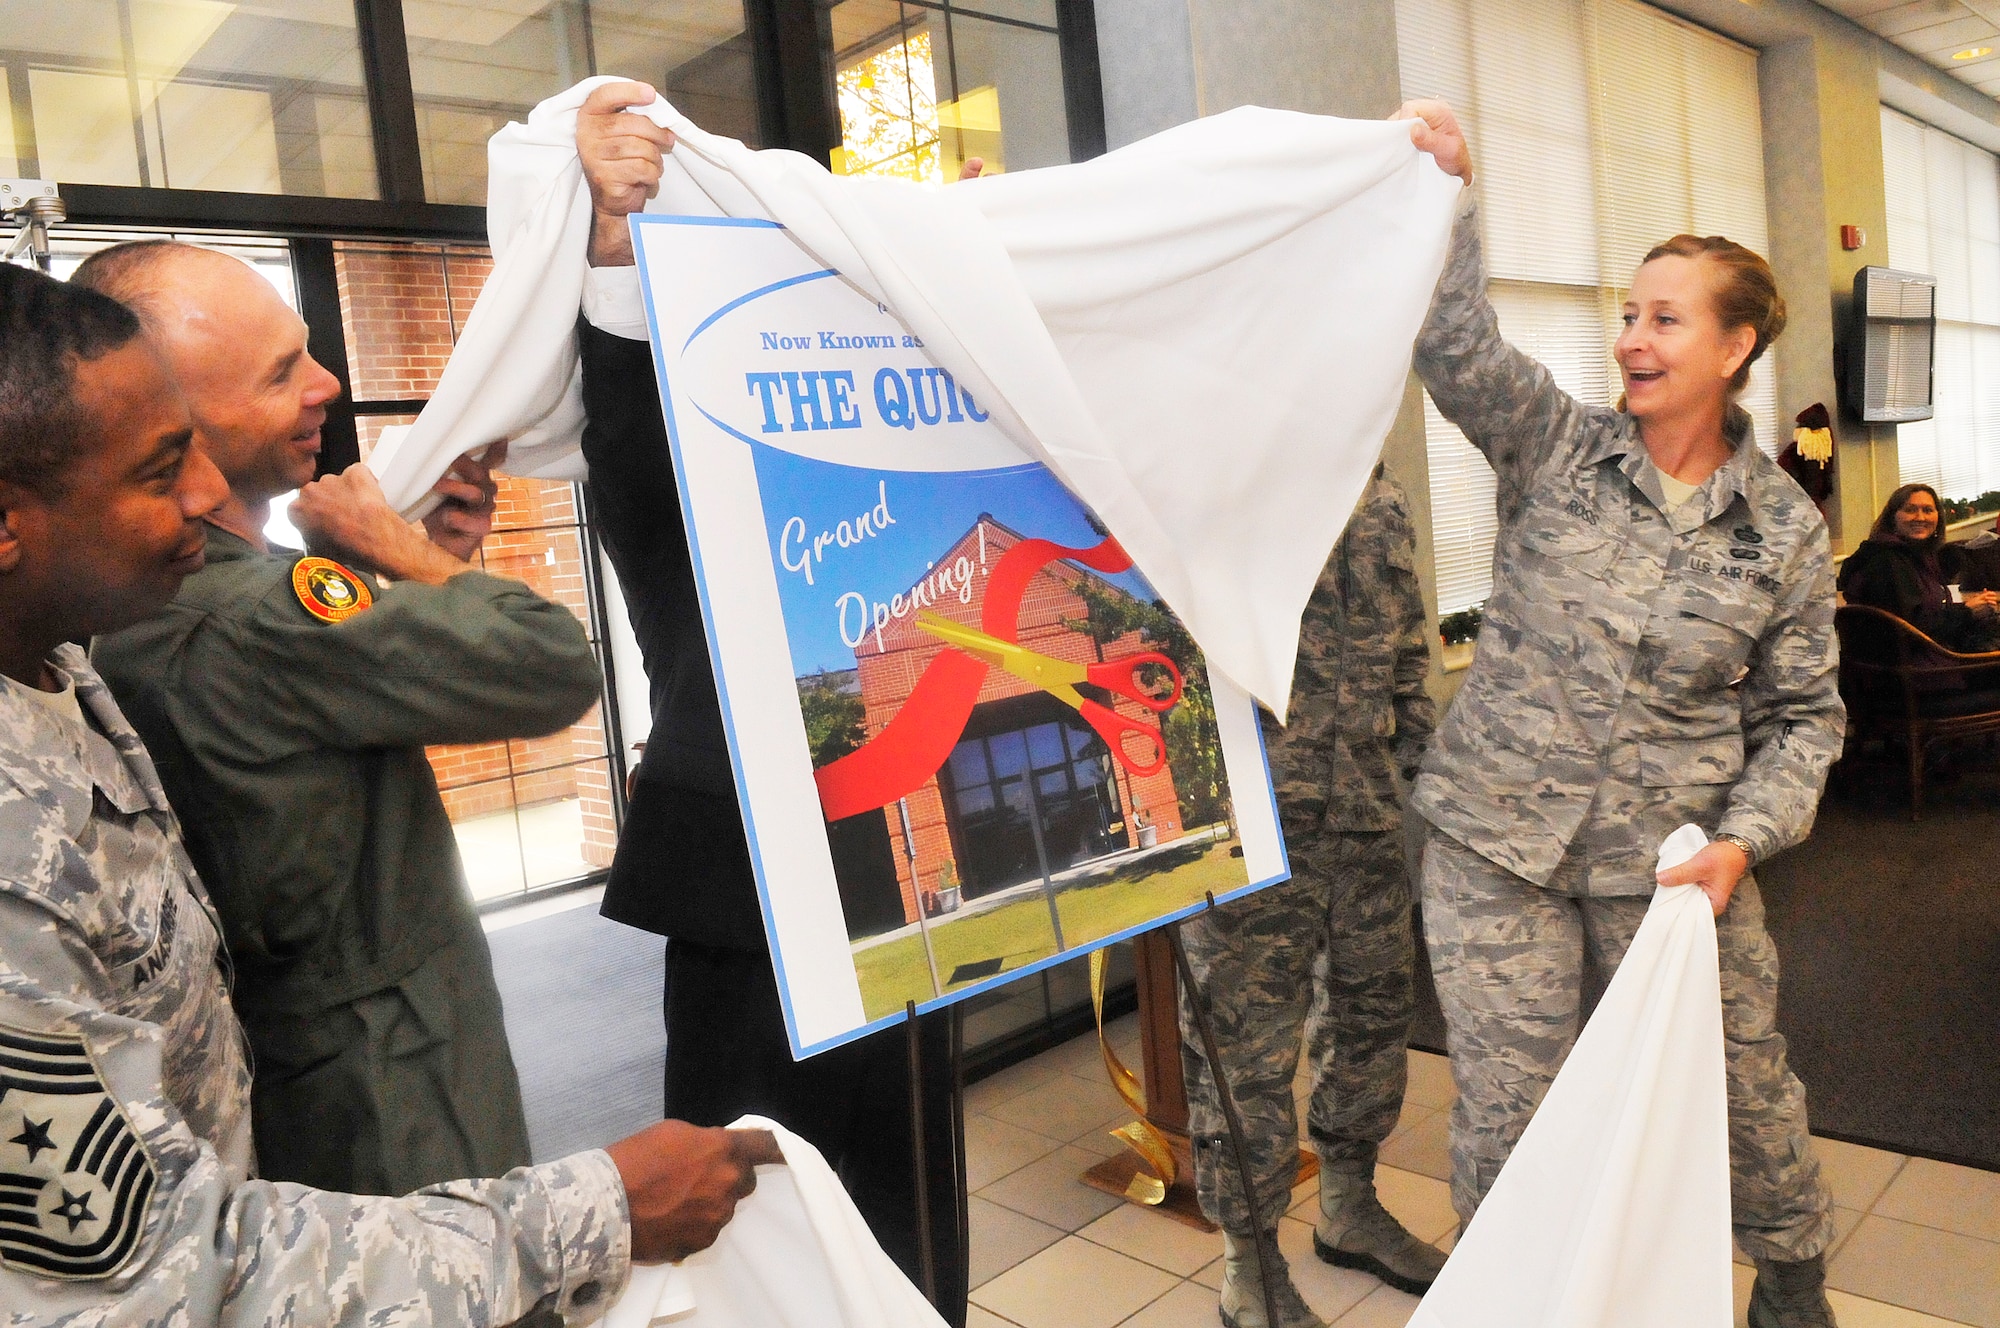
{"points": [[1166, 1089]]}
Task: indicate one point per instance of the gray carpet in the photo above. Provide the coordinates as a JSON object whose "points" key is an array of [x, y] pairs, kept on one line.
{"points": [[1889, 933], [1889, 937], [583, 1018]]}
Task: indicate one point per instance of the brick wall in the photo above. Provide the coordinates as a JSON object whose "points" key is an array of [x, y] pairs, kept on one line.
{"points": [[888, 675], [403, 307]]}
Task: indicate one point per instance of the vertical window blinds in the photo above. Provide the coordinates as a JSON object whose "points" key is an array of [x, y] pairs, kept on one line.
{"points": [[1944, 219], [1599, 128]]}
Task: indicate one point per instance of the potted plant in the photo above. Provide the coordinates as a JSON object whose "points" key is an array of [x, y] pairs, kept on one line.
{"points": [[947, 891]]}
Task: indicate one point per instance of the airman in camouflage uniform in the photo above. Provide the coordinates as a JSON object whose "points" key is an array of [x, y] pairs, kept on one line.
{"points": [[1329, 953], [110, 995], [1641, 666], [126, 1195]]}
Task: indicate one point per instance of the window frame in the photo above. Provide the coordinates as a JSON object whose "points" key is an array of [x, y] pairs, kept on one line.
{"points": [[1944, 434], [792, 64]]}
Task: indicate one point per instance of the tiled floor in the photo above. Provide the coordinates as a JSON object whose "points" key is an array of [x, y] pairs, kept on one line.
{"points": [[1918, 1245]]}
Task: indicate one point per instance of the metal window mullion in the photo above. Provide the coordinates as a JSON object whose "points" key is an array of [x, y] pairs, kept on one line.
{"points": [[318, 281], [1083, 78], [392, 99], [791, 42], [21, 108], [609, 713]]}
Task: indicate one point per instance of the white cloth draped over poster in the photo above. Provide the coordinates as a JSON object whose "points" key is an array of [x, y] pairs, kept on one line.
{"points": [[796, 1255], [1205, 335], [1614, 1207]]}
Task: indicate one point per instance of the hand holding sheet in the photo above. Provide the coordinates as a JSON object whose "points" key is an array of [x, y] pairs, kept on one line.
{"points": [[1614, 1207]]}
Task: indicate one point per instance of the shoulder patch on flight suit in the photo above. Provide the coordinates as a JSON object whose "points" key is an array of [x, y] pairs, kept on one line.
{"points": [[330, 592], [74, 1177]]}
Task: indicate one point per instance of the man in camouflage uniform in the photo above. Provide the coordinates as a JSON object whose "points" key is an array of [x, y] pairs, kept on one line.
{"points": [[125, 1155], [1327, 954], [1648, 659]]}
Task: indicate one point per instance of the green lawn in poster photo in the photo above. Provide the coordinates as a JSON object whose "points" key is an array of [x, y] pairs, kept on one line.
{"points": [[1017, 933]]}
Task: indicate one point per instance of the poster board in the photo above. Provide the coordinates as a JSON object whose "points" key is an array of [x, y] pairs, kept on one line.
{"points": [[968, 740]]}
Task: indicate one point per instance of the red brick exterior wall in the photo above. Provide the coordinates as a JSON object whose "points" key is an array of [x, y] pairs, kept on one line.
{"points": [[403, 307], [888, 676]]}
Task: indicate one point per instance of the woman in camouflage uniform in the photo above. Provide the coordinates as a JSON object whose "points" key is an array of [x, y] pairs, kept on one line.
{"points": [[1658, 649]]}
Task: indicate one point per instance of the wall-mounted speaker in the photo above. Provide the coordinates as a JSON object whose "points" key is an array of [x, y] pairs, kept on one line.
{"points": [[1889, 345]]}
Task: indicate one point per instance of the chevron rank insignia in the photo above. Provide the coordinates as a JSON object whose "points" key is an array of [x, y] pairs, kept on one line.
{"points": [[74, 1178]]}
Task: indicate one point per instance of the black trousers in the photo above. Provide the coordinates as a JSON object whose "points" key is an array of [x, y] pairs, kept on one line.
{"points": [[727, 1054]]}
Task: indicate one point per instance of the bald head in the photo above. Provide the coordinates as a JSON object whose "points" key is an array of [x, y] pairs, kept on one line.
{"points": [[238, 352], [181, 292]]}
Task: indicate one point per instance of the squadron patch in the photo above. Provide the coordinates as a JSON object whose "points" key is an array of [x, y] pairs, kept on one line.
{"points": [[74, 1178], [329, 591]]}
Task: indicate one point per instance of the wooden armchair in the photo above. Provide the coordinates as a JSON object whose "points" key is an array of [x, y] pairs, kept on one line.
{"points": [[1906, 689]]}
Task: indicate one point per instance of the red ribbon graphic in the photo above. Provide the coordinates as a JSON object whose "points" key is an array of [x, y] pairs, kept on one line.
{"points": [[916, 743]]}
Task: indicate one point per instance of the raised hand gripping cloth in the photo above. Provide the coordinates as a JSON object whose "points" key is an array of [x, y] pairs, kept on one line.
{"points": [[796, 1255], [1205, 334], [1614, 1208]]}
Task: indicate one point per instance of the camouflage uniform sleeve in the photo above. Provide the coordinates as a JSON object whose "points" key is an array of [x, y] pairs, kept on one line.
{"points": [[1793, 718], [1506, 403], [215, 1251], [1416, 712]]}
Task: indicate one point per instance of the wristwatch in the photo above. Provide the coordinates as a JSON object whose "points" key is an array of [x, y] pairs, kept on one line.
{"points": [[1749, 854]]}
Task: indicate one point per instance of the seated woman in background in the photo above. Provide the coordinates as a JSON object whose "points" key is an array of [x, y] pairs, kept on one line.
{"points": [[1905, 567]]}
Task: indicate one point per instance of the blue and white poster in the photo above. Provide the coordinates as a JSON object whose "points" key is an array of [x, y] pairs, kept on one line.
{"points": [[969, 739]]}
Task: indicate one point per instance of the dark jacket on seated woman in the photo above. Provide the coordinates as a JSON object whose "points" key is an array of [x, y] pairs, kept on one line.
{"points": [[1913, 577], [1909, 581]]}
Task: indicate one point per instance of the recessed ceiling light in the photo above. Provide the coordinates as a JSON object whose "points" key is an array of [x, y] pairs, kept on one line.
{"points": [[1972, 53]]}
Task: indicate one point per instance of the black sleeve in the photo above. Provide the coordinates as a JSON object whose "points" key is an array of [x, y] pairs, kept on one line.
{"points": [[637, 504], [1881, 579], [683, 864]]}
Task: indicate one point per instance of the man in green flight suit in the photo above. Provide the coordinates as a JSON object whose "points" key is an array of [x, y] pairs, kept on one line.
{"points": [[287, 703]]}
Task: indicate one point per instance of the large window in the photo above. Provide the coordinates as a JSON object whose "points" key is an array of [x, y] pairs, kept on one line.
{"points": [[372, 117], [186, 94], [923, 86], [1944, 219], [528, 813], [475, 67], [1600, 127]]}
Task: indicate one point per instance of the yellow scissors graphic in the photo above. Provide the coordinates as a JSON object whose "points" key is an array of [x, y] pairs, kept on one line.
{"points": [[1059, 678]]}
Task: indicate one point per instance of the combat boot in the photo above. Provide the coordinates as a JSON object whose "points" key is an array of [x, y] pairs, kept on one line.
{"points": [[1791, 1295], [1243, 1292], [1356, 1231]]}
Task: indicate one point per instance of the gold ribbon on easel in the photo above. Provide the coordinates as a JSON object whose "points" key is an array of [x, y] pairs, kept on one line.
{"points": [[1139, 1136]]}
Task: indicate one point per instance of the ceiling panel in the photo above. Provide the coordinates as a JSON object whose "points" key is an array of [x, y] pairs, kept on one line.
{"points": [[1936, 30]]}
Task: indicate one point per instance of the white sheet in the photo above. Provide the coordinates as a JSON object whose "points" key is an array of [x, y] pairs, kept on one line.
{"points": [[1614, 1207], [1205, 334], [796, 1255]]}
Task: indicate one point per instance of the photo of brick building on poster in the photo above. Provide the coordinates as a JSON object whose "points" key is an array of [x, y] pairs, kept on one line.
{"points": [[1028, 834]]}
